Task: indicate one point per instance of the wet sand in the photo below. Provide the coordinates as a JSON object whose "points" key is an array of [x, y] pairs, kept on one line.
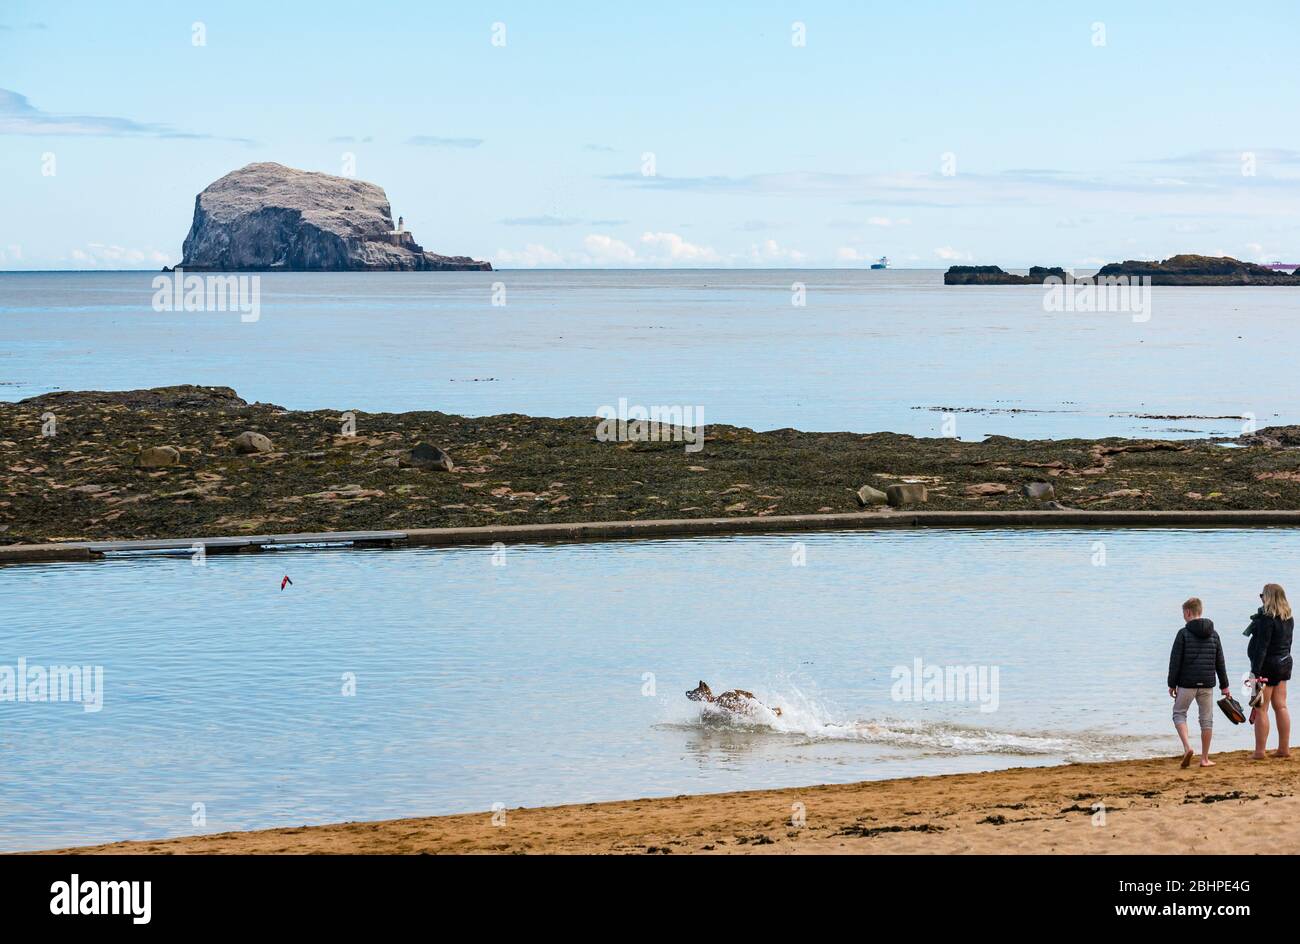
{"points": [[1150, 806]]}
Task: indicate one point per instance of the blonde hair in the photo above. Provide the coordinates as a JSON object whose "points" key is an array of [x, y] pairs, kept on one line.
{"points": [[1193, 606], [1275, 603]]}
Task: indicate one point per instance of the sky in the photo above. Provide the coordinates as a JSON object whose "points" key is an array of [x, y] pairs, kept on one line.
{"points": [[781, 134]]}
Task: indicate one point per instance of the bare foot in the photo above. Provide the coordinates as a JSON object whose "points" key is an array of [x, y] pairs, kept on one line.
{"points": [[1206, 762], [1187, 760], [1280, 756], [1259, 757]]}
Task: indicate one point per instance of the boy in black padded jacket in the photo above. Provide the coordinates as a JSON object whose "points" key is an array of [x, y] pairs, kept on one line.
{"points": [[1194, 662]]}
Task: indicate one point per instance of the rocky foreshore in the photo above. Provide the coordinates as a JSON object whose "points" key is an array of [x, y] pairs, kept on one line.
{"points": [[1176, 270], [189, 461]]}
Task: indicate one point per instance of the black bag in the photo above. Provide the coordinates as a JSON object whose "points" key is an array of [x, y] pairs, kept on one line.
{"points": [[1232, 709]]}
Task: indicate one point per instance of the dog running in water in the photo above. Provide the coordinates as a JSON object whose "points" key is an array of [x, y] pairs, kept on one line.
{"points": [[737, 701]]}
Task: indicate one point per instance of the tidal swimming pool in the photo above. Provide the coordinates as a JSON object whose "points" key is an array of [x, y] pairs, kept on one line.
{"points": [[422, 681]]}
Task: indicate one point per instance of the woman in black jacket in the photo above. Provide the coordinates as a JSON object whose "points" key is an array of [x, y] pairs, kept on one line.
{"points": [[1269, 651]]}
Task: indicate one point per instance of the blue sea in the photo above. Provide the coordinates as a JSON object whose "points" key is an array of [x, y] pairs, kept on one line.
{"points": [[866, 351]]}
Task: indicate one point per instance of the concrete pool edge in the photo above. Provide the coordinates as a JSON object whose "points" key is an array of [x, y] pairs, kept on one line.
{"points": [[663, 527]]}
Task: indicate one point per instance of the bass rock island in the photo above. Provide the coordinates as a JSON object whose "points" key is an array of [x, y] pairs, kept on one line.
{"points": [[268, 217]]}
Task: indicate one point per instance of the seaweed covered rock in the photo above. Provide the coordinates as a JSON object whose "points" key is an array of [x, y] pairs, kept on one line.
{"points": [[1185, 269], [250, 442], [995, 275], [1043, 491], [1190, 269], [868, 496], [425, 456], [906, 493], [177, 397], [157, 457]]}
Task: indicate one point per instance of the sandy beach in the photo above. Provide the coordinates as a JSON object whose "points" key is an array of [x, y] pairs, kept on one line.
{"points": [[1150, 806]]}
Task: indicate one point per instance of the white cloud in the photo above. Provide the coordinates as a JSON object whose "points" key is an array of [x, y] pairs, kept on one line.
{"points": [[97, 255], [19, 116], [856, 255], [887, 221], [673, 248], [769, 251], [598, 250], [433, 141], [606, 250], [652, 250], [1234, 156], [948, 254], [530, 257]]}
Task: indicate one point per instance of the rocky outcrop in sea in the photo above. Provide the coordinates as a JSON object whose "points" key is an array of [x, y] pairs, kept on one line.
{"points": [[994, 275], [1188, 269], [268, 217], [1185, 269]]}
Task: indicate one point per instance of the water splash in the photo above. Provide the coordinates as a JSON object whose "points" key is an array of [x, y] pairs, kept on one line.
{"points": [[807, 719]]}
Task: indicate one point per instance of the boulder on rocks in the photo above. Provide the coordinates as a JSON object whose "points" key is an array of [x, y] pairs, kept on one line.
{"points": [[176, 397], [425, 456], [1272, 436], [157, 457], [906, 493], [1043, 491], [987, 488], [249, 442], [868, 496]]}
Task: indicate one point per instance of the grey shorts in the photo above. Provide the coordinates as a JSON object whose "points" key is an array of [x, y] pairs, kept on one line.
{"points": [[1204, 706]]}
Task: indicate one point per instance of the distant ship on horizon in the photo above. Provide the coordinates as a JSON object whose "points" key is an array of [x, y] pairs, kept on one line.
{"points": [[882, 263]]}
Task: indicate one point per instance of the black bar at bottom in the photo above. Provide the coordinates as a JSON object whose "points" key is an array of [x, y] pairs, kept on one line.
{"points": [[299, 894]]}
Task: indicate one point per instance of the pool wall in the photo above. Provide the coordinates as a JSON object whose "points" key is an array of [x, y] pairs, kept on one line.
{"points": [[596, 530]]}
